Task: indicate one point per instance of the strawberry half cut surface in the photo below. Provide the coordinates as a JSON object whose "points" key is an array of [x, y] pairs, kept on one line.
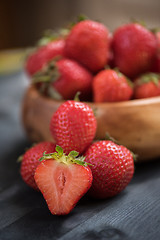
{"points": [[63, 180]]}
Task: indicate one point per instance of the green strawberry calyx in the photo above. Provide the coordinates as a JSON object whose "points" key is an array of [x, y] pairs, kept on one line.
{"points": [[60, 156], [48, 74], [155, 30], [149, 77], [46, 77], [129, 82], [51, 35], [138, 21], [79, 18]]}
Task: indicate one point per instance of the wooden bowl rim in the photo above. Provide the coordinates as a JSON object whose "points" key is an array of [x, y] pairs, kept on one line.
{"points": [[132, 102]]}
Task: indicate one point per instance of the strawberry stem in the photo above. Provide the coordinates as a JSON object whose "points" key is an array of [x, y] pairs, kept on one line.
{"points": [[108, 137], [76, 98]]}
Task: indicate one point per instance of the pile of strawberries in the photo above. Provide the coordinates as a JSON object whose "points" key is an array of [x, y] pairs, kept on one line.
{"points": [[64, 171], [103, 66]]}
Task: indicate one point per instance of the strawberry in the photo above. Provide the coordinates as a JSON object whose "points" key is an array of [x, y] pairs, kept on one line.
{"points": [[134, 49], [73, 78], [63, 180], [147, 85], [111, 86], [88, 43], [66, 77], [38, 59], [112, 168], [73, 126], [30, 160]]}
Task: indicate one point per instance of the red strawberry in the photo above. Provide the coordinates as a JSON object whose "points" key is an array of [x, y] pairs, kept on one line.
{"points": [[112, 168], [66, 77], [73, 126], [148, 85], [73, 78], [88, 43], [111, 86], [134, 49], [63, 180], [38, 59], [30, 161]]}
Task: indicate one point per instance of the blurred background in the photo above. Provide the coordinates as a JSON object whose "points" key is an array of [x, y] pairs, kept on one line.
{"points": [[23, 22]]}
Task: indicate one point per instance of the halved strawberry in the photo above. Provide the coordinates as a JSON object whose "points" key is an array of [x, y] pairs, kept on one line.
{"points": [[63, 180]]}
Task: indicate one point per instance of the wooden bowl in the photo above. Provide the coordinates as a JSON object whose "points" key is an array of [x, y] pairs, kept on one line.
{"points": [[135, 123]]}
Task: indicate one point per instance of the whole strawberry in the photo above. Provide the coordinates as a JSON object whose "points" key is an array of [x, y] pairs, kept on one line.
{"points": [[73, 126], [148, 85], [112, 168], [38, 59], [63, 180], [64, 78], [111, 86], [88, 43], [30, 160], [134, 49]]}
